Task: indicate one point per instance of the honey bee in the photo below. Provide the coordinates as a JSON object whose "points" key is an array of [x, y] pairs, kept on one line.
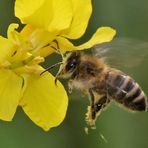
{"points": [[101, 83]]}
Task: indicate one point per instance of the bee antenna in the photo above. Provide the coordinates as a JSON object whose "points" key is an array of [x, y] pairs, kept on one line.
{"points": [[52, 66], [57, 49]]}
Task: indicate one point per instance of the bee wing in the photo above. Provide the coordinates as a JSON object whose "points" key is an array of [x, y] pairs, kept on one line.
{"points": [[123, 52]]}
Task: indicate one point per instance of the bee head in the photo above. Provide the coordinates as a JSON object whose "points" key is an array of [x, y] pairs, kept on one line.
{"points": [[70, 63]]}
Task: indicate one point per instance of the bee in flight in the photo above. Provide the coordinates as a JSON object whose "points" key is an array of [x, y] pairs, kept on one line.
{"points": [[102, 84]]}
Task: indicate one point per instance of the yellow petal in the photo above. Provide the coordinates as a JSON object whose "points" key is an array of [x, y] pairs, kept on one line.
{"points": [[65, 45], [11, 28], [6, 48], [25, 8], [43, 102], [103, 34], [10, 93], [38, 38], [62, 15], [82, 10], [15, 37], [51, 15], [45, 51], [27, 30]]}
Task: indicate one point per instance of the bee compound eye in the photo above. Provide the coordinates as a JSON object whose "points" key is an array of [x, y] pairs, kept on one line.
{"points": [[72, 64]]}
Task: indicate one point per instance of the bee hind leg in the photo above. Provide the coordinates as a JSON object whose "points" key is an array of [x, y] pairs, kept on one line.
{"points": [[102, 103], [95, 109], [91, 113]]}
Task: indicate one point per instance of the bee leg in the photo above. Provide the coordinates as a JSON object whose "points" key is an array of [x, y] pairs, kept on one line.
{"points": [[91, 113], [70, 86], [101, 104], [92, 103], [95, 109]]}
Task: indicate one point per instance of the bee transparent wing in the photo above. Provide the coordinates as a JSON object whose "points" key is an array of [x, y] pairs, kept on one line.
{"points": [[123, 52]]}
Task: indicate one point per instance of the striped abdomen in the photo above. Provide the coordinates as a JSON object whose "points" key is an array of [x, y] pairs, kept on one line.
{"points": [[126, 91]]}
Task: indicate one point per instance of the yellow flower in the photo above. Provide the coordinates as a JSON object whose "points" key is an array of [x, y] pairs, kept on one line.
{"points": [[48, 22], [62, 20], [21, 83]]}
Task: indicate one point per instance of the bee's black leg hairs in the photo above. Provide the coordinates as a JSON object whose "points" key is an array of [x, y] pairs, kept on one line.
{"points": [[91, 114], [101, 103], [92, 104], [95, 108]]}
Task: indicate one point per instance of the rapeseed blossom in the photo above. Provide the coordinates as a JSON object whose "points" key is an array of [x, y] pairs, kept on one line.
{"points": [[48, 24]]}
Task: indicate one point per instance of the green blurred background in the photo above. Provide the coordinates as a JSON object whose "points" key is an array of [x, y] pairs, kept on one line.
{"points": [[120, 128]]}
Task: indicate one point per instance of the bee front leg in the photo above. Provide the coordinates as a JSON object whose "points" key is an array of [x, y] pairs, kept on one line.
{"points": [[70, 86]]}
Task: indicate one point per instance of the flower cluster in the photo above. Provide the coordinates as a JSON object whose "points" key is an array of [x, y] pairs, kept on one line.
{"points": [[47, 24]]}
